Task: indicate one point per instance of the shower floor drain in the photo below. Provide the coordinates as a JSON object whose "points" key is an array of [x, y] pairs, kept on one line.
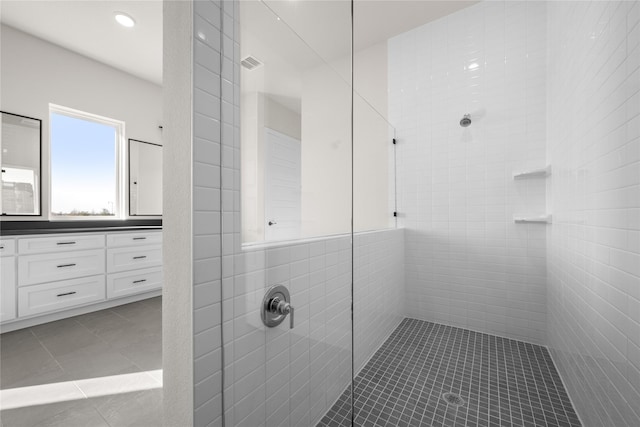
{"points": [[453, 399]]}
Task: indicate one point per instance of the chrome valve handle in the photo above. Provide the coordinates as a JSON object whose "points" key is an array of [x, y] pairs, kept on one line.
{"points": [[276, 306]]}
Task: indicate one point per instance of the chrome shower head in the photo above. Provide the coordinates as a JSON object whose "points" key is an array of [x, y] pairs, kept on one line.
{"points": [[466, 120]]}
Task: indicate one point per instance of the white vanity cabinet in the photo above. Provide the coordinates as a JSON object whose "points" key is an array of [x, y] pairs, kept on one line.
{"points": [[134, 263], [49, 277], [7, 247], [7, 280]]}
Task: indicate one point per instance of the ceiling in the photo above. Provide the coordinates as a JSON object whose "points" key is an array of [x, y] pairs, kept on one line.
{"points": [[290, 37], [378, 20], [88, 26]]}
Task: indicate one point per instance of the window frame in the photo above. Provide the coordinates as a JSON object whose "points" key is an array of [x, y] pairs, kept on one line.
{"points": [[120, 204]]}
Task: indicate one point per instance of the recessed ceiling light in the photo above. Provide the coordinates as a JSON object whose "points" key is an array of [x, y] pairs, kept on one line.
{"points": [[125, 20]]}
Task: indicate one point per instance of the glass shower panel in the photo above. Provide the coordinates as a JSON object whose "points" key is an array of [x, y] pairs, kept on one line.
{"points": [[378, 246], [374, 168], [296, 127], [287, 274]]}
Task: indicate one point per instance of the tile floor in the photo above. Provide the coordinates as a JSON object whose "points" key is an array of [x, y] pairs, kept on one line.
{"points": [[97, 369], [503, 382]]}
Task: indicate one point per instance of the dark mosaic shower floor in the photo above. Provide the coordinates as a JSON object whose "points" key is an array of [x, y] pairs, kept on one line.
{"points": [[503, 382]]}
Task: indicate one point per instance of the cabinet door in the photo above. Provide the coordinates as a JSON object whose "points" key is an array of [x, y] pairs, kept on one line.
{"points": [[8, 289]]}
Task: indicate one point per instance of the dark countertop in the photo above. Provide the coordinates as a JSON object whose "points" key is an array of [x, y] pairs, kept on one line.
{"points": [[19, 228]]}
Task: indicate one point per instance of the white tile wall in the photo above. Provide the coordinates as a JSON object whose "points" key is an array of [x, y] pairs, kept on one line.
{"points": [[281, 376], [378, 290], [278, 375], [467, 263], [207, 187], [594, 243]]}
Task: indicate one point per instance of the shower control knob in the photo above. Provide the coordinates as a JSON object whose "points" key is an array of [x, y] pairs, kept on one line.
{"points": [[276, 306], [283, 308]]}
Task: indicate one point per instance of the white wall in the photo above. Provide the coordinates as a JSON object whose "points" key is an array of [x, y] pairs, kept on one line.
{"points": [[372, 141], [326, 147], [282, 119], [178, 202], [594, 243], [467, 263], [326, 153], [36, 73]]}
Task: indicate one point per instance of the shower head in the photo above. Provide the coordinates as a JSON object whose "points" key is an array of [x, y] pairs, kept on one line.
{"points": [[466, 120]]}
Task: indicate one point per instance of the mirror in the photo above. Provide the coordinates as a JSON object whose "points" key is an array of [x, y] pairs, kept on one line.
{"points": [[20, 156], [145, 178]]}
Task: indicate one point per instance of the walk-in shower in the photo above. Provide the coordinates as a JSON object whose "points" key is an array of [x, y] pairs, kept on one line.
{"points": [[388, 181]]}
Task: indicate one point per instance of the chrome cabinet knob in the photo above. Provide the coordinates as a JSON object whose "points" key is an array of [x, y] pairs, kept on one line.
{"points": [[276, 306]]}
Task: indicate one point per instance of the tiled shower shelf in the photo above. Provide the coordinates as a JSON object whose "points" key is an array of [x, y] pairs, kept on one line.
{"points": [[543, 219], [533, 173]]}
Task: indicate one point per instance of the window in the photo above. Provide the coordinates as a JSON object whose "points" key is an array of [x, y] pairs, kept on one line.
{"points": [[86, 165]]}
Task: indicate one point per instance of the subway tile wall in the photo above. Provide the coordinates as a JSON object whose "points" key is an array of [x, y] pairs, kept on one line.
{"points": [[207, 66], [280, 376], [467, 263], [594, 243], [378, 290]]}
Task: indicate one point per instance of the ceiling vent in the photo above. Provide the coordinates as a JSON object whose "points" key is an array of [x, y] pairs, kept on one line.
{"points": [[251, 63]]}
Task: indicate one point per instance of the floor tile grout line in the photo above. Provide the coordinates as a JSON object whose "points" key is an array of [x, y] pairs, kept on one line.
{"points": [[535, 381], [416, 367], [497, 379], [447, 331], [95, 402], [50, 354], [415, 386], [447, 370]]}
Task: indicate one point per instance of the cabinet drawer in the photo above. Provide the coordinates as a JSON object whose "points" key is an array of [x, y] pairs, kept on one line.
{"points": [[67, 265], [122, 259], [8, 289], [55, 296], [134, 239], [60, 243], [7, 247], [133, 282]]}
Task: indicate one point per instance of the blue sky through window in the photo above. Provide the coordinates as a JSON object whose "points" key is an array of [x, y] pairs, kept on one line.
{"points": [[83, 166]]}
